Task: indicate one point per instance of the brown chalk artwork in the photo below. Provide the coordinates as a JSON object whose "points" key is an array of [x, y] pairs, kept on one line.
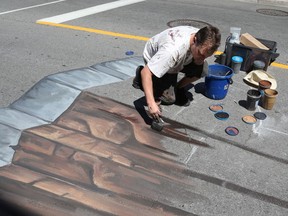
{"points": [[98, 157]]}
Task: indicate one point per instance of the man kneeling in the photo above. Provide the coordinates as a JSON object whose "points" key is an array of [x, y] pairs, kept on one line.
{"points": [[179, 49]]}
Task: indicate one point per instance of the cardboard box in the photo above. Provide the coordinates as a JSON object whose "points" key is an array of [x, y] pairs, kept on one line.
{"points": [[248, 40]]}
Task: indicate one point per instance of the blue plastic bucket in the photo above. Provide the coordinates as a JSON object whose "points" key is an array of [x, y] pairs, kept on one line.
{"points": [[217, 81]]}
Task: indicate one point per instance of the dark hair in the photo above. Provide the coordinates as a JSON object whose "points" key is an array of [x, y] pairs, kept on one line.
{"points": [[209, 34]]}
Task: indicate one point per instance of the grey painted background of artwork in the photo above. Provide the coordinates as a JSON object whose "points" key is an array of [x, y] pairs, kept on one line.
{"points": [[52, 95]]}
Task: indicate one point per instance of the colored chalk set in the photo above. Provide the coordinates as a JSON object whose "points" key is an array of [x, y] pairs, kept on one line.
{"points": [[244, 53]]}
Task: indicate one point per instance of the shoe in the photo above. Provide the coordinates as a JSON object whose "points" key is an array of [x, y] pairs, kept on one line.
{"points": [[137, 79], [168, 96], [181, 97], [188, 102]]}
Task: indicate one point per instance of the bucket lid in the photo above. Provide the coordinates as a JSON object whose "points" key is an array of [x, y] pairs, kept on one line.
{"points": [[232, 131], [260, 115], [237, 59], [216, 108], [265, 84], [271, 92], [259, 64], [249, 119], [221, 115]]}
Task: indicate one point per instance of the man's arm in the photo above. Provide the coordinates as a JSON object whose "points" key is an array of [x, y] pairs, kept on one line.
{"points": [[193, 72], [186, 81], [147, 84]]}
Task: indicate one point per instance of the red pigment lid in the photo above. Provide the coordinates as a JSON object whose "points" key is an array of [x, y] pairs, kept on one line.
{"points": [[232, 131]]}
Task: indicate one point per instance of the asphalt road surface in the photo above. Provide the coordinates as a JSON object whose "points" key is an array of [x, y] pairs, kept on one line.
{"points": [[30, 50], [241, 175]]}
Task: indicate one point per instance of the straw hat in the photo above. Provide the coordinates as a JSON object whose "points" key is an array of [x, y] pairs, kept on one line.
{"points": [[255, 76]]}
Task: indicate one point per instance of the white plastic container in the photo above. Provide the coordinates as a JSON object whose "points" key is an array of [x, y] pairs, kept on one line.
{"points": [[235, 35]]}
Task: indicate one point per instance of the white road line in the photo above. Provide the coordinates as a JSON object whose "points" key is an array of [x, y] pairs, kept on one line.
{"points": [[179, 111], [276, 131], [88, 11], [193, 150], [34, 6]]}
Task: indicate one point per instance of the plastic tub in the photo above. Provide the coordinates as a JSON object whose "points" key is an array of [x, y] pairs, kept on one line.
{"points": [[235, 35], [217, 81], [236, 63]]}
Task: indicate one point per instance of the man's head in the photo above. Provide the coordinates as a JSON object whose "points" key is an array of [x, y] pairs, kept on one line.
{"points": [[206, 41]]}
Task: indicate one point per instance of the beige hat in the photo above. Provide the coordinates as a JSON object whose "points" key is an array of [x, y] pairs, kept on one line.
{"points": [[255, 76]]}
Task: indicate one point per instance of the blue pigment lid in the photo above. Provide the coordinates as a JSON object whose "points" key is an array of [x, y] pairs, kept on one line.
{"points": [[129, 52], [221, 115], [237, 59]]}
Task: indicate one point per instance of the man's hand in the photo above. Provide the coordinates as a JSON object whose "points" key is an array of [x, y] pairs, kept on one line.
{"points": [[154, 110]]}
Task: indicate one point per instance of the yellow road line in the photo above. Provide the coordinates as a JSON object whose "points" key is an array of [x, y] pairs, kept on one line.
{"points": [[116, 34], [279, 65], [274, 64], [97, 31], [218, 53]]}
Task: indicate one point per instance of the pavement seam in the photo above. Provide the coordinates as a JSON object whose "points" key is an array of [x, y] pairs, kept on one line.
{"points": [[192, 152]]}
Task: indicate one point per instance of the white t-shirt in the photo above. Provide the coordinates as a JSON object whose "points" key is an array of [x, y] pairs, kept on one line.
{"points": [[169, 51]]}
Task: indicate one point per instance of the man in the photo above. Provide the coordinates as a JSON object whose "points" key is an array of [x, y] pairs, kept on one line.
{"points": [[179, 49]]}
